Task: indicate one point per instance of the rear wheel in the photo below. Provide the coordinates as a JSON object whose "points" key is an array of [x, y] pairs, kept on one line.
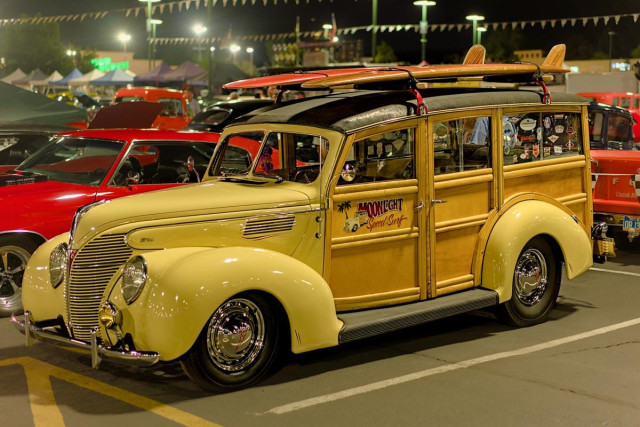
{"points": [[239, 346], [14, 254], [536, 284]]}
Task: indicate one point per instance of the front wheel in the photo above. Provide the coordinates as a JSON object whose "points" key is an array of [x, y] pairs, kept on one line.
{"points": [[239, 346], [536, 284], [14, 254]]}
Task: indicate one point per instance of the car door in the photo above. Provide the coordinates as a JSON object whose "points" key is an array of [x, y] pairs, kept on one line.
{"points": [[374, 232], [461, 194]]}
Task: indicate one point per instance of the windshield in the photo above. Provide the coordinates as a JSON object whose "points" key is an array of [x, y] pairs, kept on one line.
{"points": [[75, 160]]}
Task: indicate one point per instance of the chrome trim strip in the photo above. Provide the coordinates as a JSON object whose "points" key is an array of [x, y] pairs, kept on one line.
{"points": [[96, 349]]}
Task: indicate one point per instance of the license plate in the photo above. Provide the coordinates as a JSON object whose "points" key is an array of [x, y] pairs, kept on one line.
{"points": [[631, 224]]}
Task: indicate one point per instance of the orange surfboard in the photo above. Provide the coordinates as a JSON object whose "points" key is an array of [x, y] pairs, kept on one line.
{"points": [[552, 64]]}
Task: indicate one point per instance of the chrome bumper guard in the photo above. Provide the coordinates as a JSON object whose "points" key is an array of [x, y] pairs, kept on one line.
{"points": [[95, 348]]}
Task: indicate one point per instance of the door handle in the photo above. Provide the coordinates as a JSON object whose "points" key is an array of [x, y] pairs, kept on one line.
{"points": [[420, 206], [436, 202]]}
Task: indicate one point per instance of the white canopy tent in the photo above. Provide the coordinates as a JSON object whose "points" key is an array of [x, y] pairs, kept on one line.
{"points": [[16, 75]]}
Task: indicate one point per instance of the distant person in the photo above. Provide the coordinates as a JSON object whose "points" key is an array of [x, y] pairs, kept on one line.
{"points": [[299, 95], [272, 92], [232, 96], [194, 105], [259, 94]]}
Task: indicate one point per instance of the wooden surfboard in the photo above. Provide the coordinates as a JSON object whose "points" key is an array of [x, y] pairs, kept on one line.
{"points": [[552, 64]]}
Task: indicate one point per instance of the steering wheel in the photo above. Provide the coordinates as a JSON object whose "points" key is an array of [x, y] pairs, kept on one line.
{"points": [[306, 174]]}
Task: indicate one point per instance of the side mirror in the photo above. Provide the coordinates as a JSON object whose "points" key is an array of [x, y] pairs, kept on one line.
{"points": [[348, 172]]}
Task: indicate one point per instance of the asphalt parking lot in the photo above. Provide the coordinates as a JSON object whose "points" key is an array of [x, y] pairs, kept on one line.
{"points": [[581, 368]]}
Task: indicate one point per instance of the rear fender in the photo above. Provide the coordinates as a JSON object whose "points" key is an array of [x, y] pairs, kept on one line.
{"points": [[186, 285], [520, 220]]}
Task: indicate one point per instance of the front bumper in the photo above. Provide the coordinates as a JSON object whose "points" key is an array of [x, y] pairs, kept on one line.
{"points": [[97, 350]]}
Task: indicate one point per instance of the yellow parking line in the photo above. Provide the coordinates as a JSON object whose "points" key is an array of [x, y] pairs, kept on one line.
{"points": [[43, 402]]}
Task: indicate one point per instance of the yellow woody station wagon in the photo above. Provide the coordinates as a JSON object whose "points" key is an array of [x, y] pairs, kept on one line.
{"points": [[368, 210]]}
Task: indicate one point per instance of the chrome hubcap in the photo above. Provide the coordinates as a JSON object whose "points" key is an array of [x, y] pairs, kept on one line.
{"points": [[530, 277], [235, 335], [13, 261]]}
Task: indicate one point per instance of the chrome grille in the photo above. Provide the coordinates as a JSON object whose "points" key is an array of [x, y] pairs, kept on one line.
{"points": [[92, 269], [259, 227]]}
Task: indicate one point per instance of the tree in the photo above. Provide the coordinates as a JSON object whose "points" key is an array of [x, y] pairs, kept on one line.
{"points": [[500, 44], [31, 46], [384, 53]]}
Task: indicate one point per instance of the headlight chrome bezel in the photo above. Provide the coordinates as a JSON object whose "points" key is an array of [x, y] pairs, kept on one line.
{"points": [[58, 259], [134, 278]]}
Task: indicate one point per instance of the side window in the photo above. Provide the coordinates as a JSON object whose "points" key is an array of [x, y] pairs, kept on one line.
{"points": [[625, 102], [539, 136], [596, 118], [461, 145], [619, 133], [615, 102], [164, 163], [381, 157], [636, 102]]}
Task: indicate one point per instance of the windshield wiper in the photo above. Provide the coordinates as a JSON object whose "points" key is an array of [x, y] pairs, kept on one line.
{"points": [[240, 180]]}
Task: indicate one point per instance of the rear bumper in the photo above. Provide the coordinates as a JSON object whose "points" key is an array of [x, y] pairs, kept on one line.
{"points": [[97, 350]]}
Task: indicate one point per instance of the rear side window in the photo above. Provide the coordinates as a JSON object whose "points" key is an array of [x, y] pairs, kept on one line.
{"points": [[461, 145], [538, 136]]}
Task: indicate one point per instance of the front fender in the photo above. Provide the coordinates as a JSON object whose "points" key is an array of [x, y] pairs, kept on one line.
{"points": [[38, 296], [521, 220], [186, 285]]}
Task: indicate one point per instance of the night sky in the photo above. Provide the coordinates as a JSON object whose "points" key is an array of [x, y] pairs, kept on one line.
{"points": [[260, 19]]}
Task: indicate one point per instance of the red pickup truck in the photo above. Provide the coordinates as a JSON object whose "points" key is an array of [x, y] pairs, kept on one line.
{"points": [[615, 173], [176, 113]]}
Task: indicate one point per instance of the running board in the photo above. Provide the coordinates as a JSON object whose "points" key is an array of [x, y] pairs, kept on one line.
{"points": [[368, 323]]}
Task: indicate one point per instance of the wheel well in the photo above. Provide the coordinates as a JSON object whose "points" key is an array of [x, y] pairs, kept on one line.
{"points": [[555, 247], [32, 237], [283, 319]]}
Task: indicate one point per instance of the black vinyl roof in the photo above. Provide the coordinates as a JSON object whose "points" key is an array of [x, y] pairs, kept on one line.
{"points": [[348, 111]]}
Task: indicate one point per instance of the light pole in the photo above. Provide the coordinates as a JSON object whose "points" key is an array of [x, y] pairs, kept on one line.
{"points": [[234, 48], [250, 52], [374, 23], [481, 30], [154, 24], [424, 24], [611, 34], [124, 38], [72, 53], [199, 30], [148, 2], [475, 19]]}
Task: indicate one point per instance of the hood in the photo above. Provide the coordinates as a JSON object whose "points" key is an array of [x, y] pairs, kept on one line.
{"points": [[43, 207], [196, 200], [616, 161], [12, 179], [126, 115]]}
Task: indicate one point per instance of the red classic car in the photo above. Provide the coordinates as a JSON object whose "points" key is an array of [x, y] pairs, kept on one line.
{"points": [[39, 199], [615, 173], [176, 113]]}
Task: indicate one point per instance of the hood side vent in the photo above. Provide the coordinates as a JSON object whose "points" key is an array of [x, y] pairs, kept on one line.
{"points": [[259, 228]]}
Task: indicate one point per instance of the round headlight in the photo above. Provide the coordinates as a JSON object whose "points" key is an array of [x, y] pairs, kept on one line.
{"points": [[134, 277], [57, 264]]}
